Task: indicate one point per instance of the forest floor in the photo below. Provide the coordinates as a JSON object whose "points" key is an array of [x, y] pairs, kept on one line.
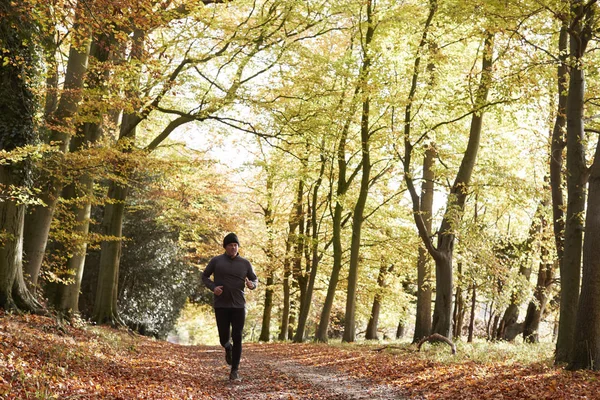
{"points": [[41, 360]]}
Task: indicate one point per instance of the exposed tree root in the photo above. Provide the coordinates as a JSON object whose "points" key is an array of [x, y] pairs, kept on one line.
{"points": [[436, 337]]}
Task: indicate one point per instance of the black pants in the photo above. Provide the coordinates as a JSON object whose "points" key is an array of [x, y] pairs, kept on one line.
{"points": [[230, 323]]}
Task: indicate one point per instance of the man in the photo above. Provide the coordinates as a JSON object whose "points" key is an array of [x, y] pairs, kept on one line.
{"points": [[231, 273]]}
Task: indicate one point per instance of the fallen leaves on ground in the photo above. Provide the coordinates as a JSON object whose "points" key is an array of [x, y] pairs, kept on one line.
{"points": [[41, 360]]}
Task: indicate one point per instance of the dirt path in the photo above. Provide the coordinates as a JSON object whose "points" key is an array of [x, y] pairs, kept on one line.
{"points": [[269, 375]]}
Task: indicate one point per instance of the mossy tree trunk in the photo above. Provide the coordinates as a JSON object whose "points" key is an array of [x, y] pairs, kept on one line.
{"points": [[18, 107]]}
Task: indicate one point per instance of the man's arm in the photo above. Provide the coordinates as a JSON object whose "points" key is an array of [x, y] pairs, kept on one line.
{"points": [[208, 271], [251, 279]]}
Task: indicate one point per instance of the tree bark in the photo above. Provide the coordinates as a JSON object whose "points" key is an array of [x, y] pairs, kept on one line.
{"points": [[39, 218], [80, 192], [473, 310], [287, 277], [300, 281], [586, 336], [106, 309], [265, 331], [105, 306], [442, 313], [577, 174], [537, 307], [17, 129], [291, 260], [459, 306], [343, 183], [359, 208], [424, 289], [372, 326], [586, 346], [315, 257]]}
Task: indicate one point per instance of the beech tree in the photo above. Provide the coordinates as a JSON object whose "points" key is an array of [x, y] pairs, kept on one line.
{"points": [[59, 123], [18, 134], [585, 335], [580, 26]]}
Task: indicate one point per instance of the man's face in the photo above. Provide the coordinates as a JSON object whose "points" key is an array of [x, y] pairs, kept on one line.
{"points": [[231, 249]]}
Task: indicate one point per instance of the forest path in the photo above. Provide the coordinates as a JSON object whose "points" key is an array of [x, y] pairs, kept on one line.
{"points": [[41, 360], [293, 372]]}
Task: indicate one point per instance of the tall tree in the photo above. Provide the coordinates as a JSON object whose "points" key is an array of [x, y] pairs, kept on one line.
{"points": [[343, 183], [269, 218], [372, 325], [313, 255], [60, 130], [18, 106], [424, 289], [580, 32], [365, 180], [586, 335], [443, 252]]}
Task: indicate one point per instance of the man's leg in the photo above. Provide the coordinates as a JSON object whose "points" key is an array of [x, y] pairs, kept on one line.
{"points": [[224, 316], [237, 326]]}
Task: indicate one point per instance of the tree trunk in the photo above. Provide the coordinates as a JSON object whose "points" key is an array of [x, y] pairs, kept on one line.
{"points": [[288, 267], [39, 218], [105, 306], [106, 309], [322, 328], [315, 257], [586, 336], [442, 313], [13, 290], [557, 148], [537, 307], [336, 235], [473, 310], [287, 277], [69, 294], [459, 305], [586, 348], [265, 331], [79, 194], [570, 269], [359, 208], [300, 281], [81, 191], [17, 129], [401, 330], [545, 276], [292, 320], [371, 333], [424, 290], [443, 254]]}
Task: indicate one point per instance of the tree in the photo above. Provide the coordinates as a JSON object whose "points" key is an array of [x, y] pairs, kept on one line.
{"points": [[59, 123], [580, 31], [365, 180], [424, 289], [586, 333], [18, 105]]}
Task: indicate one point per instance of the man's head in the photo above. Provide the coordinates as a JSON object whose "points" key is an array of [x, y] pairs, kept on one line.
{"points": [[231, 244]]}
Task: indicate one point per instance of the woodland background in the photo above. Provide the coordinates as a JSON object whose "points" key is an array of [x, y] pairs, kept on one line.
{"points": [[391, 168]]}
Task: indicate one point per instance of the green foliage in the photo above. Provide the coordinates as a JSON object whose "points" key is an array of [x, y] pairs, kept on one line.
{"points": [[154, 279], [18, 76]]}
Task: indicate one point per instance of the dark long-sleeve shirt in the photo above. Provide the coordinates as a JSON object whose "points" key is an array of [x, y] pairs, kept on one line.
{"points": [[231, 273]]}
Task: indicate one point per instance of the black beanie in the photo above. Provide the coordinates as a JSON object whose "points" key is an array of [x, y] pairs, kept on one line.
{"points": [[230, 238]]}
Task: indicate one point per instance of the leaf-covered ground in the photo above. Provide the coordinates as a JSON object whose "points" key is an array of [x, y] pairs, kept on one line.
{"points": [[40, 360]]}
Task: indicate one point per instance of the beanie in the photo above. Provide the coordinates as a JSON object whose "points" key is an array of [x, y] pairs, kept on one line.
{"points": [[230, 238]]}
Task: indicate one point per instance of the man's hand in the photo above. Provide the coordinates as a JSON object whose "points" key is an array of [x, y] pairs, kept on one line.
{"points": [[249, 284], [218, 290]]}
